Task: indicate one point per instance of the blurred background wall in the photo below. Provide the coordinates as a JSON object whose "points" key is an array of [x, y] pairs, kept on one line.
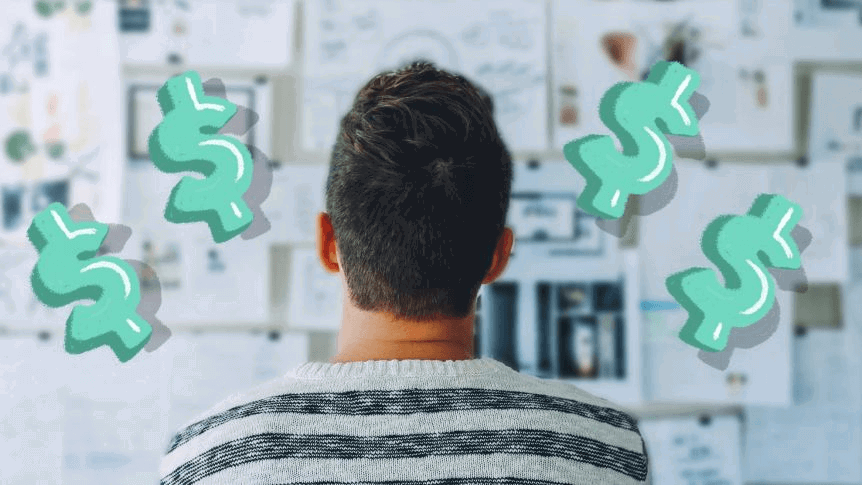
{"points": [[583, 300]]}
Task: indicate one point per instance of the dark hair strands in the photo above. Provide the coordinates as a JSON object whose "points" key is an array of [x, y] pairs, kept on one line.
{"points": [[418, 191]]}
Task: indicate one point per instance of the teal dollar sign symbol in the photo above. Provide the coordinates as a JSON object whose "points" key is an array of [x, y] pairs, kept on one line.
{"points": [[736, 244], [186, 140], [639, 114], [61, 276]]}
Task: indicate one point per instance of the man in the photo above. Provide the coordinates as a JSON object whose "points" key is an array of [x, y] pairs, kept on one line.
{"points": [[416, 202]]}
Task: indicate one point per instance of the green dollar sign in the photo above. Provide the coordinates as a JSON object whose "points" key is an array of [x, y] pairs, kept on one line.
{"points": [[639, 114], [186, 140], [736, 244], [61, 276]]}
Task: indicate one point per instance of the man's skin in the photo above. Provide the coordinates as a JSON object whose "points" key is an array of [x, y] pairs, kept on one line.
{"points": [[381, 336]]}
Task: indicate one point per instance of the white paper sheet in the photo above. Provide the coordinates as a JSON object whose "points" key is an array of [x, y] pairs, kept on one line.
{"points": [[758, 375], [500, 46], [66, 103], [314, 295], [297, 196], [670, 237], [686, 451], [836, 116], [247, 33], [824, 214], [31, 410], [803, 445], [748, 88]]}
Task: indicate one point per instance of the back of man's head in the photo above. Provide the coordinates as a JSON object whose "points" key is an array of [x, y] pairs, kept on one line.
{"points": [[418, 191]]}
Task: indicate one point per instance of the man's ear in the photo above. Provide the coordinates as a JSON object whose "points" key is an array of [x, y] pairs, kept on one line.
{"points": [[326, 249], [501, 255]]}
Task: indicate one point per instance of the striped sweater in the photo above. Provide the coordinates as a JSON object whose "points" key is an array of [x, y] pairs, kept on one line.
{"points": [[417, 422]]}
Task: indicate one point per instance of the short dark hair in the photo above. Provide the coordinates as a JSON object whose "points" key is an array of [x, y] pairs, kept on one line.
{"points": [[418, 190]]}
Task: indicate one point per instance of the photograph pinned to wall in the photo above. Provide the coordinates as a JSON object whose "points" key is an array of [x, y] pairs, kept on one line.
{"points": [[59, 132], [749, 93], [314, 295], [297, 196], [582, 330], [702, 450], [241, 33], [502, 49], [144, 113]]}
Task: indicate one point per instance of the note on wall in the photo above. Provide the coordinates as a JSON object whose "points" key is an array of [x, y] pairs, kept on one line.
{"points": [[246, 33], [314, 295], [500, 46], [598, 44], [691, 451], [60, 113]]}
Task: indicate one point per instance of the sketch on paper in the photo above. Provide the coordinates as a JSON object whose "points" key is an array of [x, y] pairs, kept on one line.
{"points": [[61, 142], [502, 49], [554, 217], [694, 450], [245, 33], [749, 93]]}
